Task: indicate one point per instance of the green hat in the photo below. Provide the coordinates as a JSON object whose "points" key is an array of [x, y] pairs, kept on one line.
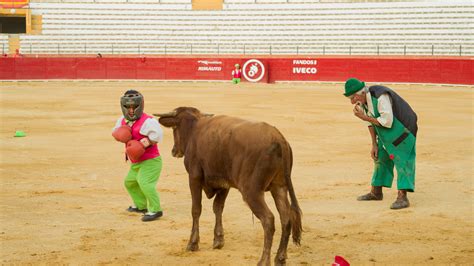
{"points": [[237, 65], [353, 85]]}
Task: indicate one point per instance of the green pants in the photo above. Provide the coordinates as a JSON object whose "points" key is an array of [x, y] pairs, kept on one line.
{"points": [[383, 170], [141, 184], [236, 80]]}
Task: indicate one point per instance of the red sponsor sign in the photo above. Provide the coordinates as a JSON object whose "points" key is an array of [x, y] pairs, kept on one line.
{"points": [[394, 69], [209, 65]]}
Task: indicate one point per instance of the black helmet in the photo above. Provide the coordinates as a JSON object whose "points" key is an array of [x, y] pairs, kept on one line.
{"points": [[134, 99]]}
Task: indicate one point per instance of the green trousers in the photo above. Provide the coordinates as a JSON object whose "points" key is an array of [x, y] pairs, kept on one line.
{"points": [[236, 80], [383, 170], [141, 184]]}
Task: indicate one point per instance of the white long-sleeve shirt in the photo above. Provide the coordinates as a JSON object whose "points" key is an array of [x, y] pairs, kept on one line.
{"points": [[150, 128], [384, 106]]}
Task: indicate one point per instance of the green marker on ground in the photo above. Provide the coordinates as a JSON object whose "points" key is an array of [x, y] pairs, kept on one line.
{"points": [[20, 133]]}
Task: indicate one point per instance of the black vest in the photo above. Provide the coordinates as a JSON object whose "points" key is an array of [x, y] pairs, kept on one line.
{"points": [[401, 109]]}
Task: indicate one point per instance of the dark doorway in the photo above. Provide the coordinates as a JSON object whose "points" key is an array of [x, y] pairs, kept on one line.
{"points": [[12, 25]]}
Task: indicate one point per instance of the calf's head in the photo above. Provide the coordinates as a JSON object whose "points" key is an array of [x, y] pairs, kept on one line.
{"points": [[182, 120]]}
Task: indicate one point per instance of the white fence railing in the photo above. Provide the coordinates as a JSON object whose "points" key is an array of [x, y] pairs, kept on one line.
{"points": [[241, 49]]}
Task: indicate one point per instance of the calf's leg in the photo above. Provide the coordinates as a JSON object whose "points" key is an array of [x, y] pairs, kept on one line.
{"points": [[218, 208], [196, 195], [283, 206], [256, 202]]}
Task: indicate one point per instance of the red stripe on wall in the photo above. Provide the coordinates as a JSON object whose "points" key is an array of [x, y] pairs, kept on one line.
{"points": [[410, 70]]}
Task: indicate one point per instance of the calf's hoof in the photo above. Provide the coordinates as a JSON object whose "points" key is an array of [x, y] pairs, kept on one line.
{"points": [[192, 247], [264, 262], [218, 243], [280, 261]]}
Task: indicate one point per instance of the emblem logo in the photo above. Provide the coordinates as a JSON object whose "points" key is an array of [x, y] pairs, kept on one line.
{"points": [[253, 70]]}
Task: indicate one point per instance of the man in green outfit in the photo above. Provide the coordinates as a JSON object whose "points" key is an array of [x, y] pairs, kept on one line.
{"points": [[393, 128]]}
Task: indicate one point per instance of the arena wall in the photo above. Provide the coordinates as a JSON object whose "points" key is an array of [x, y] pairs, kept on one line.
{"points": [[439, 70]]}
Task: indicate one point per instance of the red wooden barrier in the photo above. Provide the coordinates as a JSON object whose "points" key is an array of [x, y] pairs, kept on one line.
{"points": [[452, 70]]}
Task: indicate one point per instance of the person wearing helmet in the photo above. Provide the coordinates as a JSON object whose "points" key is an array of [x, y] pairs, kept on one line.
{"points": [[141, 133], [393, 128], [236, 74]]}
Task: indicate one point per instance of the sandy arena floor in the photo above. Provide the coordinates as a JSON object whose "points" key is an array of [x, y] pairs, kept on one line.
{"points": [[63, 200]]}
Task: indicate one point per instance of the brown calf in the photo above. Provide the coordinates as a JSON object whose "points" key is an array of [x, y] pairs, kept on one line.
{"points": [[221, 152]]}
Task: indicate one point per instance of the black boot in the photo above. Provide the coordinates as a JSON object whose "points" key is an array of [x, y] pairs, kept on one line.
{"points": [[135, 209], [374, 194], [401, 202], [148, 217]]}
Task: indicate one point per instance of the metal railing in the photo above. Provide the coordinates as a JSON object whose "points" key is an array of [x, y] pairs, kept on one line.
{"points": [[244, 49]]}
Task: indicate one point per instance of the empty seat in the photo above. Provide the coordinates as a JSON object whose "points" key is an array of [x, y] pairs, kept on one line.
{"points": [[267, 26]]}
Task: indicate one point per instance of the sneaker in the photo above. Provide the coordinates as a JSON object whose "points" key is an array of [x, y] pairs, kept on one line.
{"points": [[370, 196], [374, 194], [150, 216], [401, 202], [135, 209]]}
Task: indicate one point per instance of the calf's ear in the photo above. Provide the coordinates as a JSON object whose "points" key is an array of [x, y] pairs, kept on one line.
{"points": [[168, 121]]}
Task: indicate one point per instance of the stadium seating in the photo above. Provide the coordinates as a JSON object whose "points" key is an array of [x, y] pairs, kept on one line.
{"points": [[265, 27], [4, 43]]}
